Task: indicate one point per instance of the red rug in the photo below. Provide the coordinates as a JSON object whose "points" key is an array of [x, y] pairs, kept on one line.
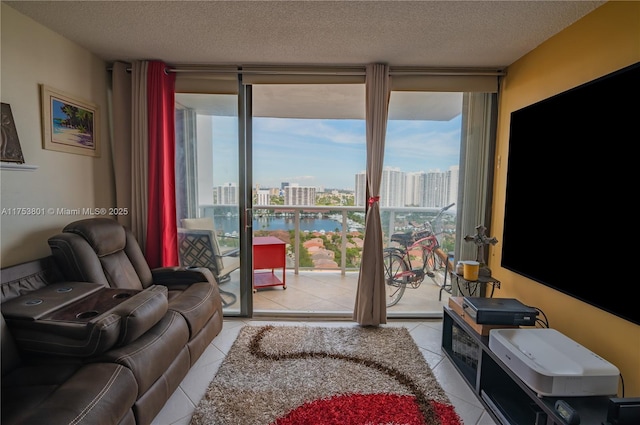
{"points": [[293, 375]]}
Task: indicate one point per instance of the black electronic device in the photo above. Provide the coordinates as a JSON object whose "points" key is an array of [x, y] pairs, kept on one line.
{"points": [[499, 311], [561, 149], [623, 411]]}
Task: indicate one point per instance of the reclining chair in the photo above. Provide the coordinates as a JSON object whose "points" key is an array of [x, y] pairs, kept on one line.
{"points": [[198, 246], [101, 250]]}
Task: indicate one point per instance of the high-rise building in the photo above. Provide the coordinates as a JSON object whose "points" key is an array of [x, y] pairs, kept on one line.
{"points": [[263, 197], [436, 189], [454, 178], [392, 189], [295, 194], [413, 189], [361, 189], [226, 194]]}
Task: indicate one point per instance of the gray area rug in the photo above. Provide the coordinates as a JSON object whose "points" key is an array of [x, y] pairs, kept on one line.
{"points": [[288, 375]]}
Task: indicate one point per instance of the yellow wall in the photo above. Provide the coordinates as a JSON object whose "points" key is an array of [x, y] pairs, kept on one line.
{"points": [[605, 40]]}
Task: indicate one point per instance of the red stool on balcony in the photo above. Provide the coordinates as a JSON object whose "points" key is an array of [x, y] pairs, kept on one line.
{"points": [[270, 253]]}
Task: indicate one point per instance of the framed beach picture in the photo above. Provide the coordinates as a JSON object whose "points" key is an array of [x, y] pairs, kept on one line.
{"points": [[69, 124]]}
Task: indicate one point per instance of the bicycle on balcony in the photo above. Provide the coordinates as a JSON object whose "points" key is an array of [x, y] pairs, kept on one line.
{"points": [[400, 262]]}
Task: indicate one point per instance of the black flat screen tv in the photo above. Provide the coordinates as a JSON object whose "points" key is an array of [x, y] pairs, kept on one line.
{"points": [[570, 220]]}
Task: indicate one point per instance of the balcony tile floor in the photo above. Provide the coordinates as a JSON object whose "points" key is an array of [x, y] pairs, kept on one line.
{"points": [[326, 299], [330, 292]]}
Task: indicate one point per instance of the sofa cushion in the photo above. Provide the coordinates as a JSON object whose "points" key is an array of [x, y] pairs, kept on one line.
{"points": [[78, 261], [196, 304], [101, 250], [99, 393], [106, 236], [149, 356]]}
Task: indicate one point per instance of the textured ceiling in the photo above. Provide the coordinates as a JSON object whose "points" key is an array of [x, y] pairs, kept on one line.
{"points": [[440, 34], [400, 33]]}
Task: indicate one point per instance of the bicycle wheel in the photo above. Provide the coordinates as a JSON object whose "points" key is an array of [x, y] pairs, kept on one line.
{"points": [[396, 278]]}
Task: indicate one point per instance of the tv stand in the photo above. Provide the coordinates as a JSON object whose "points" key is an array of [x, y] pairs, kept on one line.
{"points": [[507, 399]]}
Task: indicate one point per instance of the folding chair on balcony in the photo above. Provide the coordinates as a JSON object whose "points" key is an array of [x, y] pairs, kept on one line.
{"points": [[198, 246]]}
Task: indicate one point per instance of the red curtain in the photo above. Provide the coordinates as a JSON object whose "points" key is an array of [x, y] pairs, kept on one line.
{"points": [[162, 233]]}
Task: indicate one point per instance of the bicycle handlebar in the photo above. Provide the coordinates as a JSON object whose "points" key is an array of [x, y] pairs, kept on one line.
{"points": [[429, 223], [441, 212], [448, 206]]}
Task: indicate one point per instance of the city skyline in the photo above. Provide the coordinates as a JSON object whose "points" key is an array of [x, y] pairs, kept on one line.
{"points": [[329, 153], [397, 189]]}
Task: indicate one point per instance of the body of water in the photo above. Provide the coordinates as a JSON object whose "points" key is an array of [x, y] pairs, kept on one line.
{"points": [[230, 224], [306, 224]]}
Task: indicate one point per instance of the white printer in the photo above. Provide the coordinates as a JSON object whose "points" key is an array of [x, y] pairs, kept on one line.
{"points": [[552, 364]]}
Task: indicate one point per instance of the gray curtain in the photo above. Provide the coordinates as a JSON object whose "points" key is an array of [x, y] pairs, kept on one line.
{"points": [[121, 133], [130, 141], [477, 154], [370, 306]]}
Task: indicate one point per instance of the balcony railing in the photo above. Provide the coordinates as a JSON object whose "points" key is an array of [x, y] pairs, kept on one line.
{"points": [[348, 219]]}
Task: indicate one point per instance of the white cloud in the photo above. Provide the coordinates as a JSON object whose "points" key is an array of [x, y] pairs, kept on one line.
{"points": [[330, 152]]}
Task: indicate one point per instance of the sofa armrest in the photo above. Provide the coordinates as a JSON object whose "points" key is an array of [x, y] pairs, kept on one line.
{"points": [[141, 312], [181, 277]]}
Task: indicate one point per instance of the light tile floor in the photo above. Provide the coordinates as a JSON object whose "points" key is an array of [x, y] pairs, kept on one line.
{"points": [[426, 333]]}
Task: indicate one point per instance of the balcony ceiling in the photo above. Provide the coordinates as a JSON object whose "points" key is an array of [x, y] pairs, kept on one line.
{"points": [[436, 34]]}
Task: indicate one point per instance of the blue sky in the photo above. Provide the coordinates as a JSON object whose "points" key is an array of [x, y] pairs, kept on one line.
{"points": [[328, 153]]}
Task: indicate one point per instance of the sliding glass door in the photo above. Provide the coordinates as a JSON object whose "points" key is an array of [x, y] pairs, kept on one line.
{"points": [[436, 187], [276, 161], [208, 190], [308, 147]]}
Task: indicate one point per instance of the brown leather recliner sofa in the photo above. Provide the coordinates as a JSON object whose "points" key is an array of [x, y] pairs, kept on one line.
{"points": [[94, 336]]}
